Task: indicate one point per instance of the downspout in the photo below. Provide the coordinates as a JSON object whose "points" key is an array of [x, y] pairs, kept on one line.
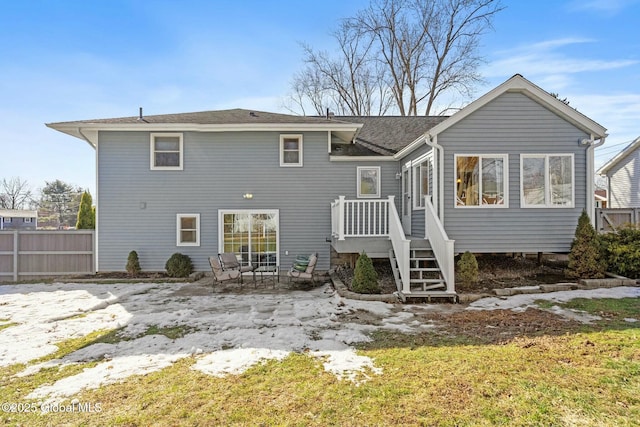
{"points": [[591, 176], [95, 231], [432, 141]]}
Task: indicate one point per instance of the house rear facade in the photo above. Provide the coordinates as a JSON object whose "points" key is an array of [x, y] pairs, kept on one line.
{"points": [[511, 172]]}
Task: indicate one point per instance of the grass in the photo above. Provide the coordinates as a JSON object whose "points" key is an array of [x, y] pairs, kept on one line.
{"points": [[588, 377], [612, 311]]}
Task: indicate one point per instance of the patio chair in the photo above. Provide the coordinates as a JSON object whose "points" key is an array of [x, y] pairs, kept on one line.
{"points": [[299, 271], [229, 261], [220, 275]]}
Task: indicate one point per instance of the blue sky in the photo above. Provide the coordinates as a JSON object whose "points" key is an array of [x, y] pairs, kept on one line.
{"points": [[73, 60]]}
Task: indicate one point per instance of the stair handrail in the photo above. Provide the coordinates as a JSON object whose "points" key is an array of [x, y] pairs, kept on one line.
{"points": [[400, 245], [442, 246]]}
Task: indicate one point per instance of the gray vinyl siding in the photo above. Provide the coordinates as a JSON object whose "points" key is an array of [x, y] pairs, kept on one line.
{"points": [[137, 207], [512, 124], [624, 182]]}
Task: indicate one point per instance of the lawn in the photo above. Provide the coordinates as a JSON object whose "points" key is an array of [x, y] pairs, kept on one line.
{"points": [[574, 374]]}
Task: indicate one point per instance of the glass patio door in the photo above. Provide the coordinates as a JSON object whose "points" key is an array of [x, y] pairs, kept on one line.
{"points": [[252, 235]]}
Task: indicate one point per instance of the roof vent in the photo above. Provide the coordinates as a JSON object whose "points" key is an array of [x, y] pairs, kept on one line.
{"points": [[140, 117], [252, 114], [329, 114]]}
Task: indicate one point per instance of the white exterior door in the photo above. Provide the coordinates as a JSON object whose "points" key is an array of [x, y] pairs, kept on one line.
{"points": [[406, 199]]}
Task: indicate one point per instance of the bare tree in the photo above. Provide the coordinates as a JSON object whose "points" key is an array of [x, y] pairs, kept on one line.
{"points": [[15, 193], [400, 54], [350, 84]]}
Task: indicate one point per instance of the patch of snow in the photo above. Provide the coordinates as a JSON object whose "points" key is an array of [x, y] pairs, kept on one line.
{"points": [[225, 333]]}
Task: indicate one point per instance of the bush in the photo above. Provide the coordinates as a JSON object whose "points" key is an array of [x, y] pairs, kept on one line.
{"points": [[133, 263], [467, 268], [365, 278], [585, 260], [179, 265], [621, 252]]}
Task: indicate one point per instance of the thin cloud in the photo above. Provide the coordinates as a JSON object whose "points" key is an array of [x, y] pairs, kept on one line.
{"points": [[607, 7], [548, 61]]}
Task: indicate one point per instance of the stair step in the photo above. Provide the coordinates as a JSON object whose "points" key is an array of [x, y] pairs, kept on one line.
{"points": [[428, 287], [422, 281], [422, 258], [424, 269]]}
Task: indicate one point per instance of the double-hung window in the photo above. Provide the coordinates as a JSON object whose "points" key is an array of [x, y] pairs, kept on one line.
{"points": [[481, 180], [188, 230], [166, 151], [290, 150], [547, 180]]}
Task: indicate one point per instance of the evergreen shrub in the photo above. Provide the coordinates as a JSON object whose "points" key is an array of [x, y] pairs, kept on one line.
{"points": [[365, 277], [133, 264], [585, 258], [179, 265], [622, 252]]}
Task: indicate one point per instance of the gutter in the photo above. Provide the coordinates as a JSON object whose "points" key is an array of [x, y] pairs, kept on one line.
{"points": [[591, 175], [432, 141]]}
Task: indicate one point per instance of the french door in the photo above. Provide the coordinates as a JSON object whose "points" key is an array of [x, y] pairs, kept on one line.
{"points": [[253, 235]]}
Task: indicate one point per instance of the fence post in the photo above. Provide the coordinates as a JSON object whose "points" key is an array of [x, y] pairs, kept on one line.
{"points": [[15, 255]]}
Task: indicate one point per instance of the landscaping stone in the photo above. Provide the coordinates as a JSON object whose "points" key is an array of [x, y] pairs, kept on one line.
{"points": [[559, 287]]}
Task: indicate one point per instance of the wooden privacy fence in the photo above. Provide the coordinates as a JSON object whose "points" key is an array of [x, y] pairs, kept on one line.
{"points": [[26, 255], [610, 219]]}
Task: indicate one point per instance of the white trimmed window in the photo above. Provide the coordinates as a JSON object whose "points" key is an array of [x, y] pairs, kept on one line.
{"points": [[188, 230], [547, 180], [481, 180], [290, 150], [166, 151], [421, 175], [368, 181]]}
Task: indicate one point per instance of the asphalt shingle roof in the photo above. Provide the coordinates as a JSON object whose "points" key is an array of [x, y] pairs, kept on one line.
{"points": [[387, 135], [379, 135], [233, 116]]}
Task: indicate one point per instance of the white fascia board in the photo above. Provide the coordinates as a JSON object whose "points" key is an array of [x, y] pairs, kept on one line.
{"points": [[409, 148], [362, 159], [604, 169]]}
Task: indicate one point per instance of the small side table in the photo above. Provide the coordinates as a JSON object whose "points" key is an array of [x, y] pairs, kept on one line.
{"points": [[273, 271]]}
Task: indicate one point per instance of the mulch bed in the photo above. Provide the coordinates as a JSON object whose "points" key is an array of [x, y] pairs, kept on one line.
{"points": [[495, 272]]}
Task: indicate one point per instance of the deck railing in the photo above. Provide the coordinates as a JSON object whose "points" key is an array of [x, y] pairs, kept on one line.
{"points": [[359, 218], [372, 218], [441, 245]]}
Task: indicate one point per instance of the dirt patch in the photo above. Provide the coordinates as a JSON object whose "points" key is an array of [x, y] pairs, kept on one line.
{"points": [[499, 326]]}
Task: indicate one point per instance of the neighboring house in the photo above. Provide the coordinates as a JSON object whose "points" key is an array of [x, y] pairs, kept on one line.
{"points": [[17, 219], [511, 172], [600, 198], [623, 173]]}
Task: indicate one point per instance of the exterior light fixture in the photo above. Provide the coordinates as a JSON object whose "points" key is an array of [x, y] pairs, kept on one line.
{"points": [[247, 196]]}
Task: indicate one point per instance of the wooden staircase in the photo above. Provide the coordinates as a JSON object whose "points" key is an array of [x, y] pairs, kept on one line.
{"points": [[425, 277]]}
